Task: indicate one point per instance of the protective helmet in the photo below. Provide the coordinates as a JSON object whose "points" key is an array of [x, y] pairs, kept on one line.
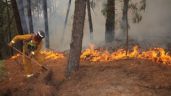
{"points": [[40, 34]]}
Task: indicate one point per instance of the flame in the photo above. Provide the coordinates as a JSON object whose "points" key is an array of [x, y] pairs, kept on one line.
{"points": [[158, 55], [15, 56], [51, 55]]}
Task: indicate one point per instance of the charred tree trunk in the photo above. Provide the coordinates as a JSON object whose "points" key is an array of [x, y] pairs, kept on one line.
{"points": [[30, 16], [77, 35], [17, 16], [110, 21], [90, 19], [46, 23], [125, 21]]}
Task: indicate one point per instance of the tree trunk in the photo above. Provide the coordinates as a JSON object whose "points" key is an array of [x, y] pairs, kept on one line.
{"points": [[22, 16], [90, 19], [67, 14], [18, 20], [46, 23], [17, 16], [110, 21], [124, 24], [30, 16], [66, 20], [9, 29], [77, 36]]}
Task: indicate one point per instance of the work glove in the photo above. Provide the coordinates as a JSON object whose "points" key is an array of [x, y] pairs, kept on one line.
{"points": [[32, 53], [11, 43]]}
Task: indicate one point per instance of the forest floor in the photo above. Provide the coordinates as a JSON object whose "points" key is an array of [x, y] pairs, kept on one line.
{"points": [[129, 77]]}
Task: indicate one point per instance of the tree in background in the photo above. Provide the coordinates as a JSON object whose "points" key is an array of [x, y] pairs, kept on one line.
{"points": [[17, 16], [67, 14], [18, 20], [20, 6], [77, 36], [66, 21], [8, 28], [90, 20], [124, 24], [137, 17], [136, 13], [110, 21], [30, 16], [89, 6], [46, 23]]}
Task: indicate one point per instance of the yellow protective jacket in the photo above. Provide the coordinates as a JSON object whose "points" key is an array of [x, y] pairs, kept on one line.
{"points": [[26, 51], [26, 39]]}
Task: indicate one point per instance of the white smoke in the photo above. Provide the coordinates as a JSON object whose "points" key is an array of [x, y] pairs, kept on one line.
{"points": [[156, 24], [153, 29]]}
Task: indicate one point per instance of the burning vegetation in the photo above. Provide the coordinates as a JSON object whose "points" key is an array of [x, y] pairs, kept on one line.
{"points": [[158, 55], [48, 55], [52, 55]]}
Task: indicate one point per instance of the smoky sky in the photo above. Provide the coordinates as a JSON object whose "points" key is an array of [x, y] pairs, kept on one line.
{"points": [[154, 27]]}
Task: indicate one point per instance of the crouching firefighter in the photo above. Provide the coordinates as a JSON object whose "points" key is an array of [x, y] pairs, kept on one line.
{"points": [[32, 44]]}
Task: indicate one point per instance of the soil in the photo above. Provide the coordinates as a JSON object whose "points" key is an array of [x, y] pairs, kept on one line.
{"points": [[129, 77]]}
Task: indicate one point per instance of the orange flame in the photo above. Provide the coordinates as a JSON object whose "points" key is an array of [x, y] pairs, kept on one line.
{"points": [[47, 55], [52, 55], [15, 56], [158, 55]]}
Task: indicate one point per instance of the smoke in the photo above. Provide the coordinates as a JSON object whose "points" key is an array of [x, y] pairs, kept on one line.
{"points": [[154, 29], [57, 27]]}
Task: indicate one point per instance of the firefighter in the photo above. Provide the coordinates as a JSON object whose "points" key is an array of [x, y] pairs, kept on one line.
{"points": [[32, 44]]}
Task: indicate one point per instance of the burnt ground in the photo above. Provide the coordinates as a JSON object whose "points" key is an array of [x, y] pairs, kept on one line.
{"points": [[118, 78]]}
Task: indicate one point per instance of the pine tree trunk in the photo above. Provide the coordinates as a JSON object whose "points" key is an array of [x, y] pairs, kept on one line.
{"points": [[67, 14], [9, 29], [46, 23], [77, 36], [30, 16], [17, 16], [18, 21], [125, 21], [110, 21], [90, 19], [22, 16], [66, 21]]}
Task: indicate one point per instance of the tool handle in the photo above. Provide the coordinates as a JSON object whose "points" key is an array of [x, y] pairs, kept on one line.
{"points": [[30, 58]]}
